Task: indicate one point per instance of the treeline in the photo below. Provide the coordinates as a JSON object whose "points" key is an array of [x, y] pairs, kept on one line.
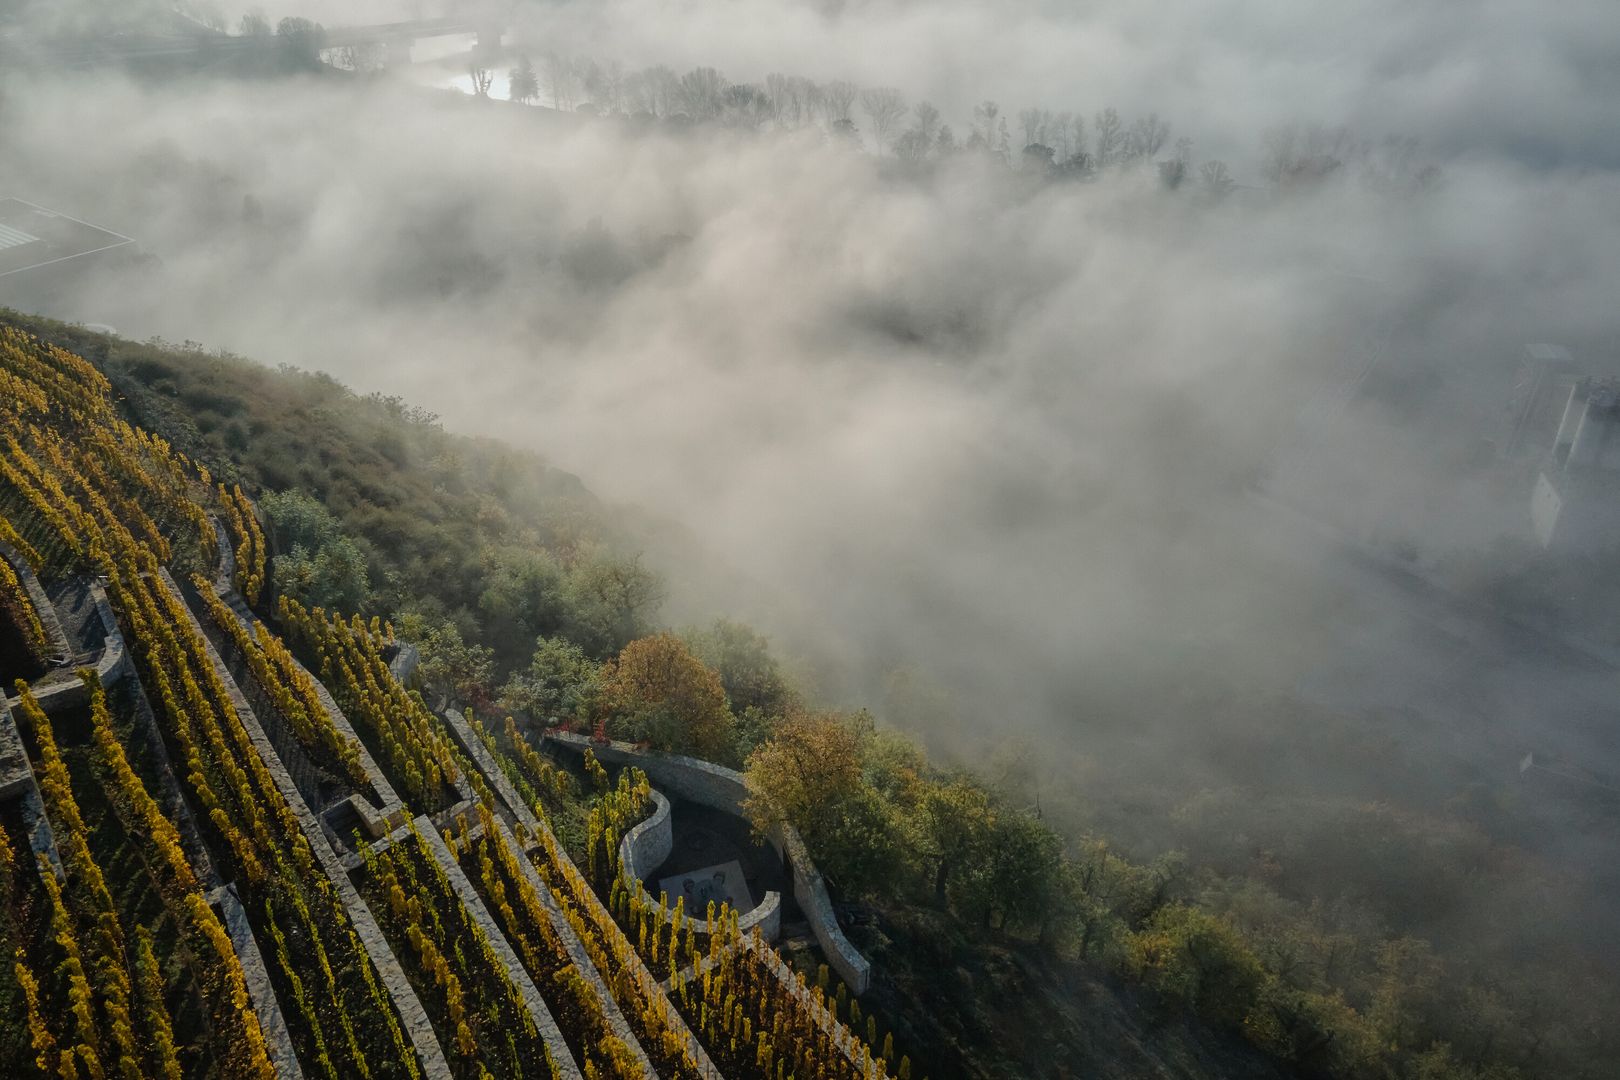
{"points": [[878, 118], [1056, 144]]}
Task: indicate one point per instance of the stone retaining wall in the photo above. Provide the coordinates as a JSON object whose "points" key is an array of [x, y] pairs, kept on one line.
{"points": [[524, 818], [278, 1041], [42, 603], [721, 788], [645, 847], [16, 771], [65, 690], [403, 665], [379, 810], [413, 1017], [544, 1022], [17, 781]]}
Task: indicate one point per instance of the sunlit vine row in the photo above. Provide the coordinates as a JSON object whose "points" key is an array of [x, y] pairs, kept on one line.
{"points": [[10, 535], [250, 549], [415, 751], [288, 686], [511, 895], [218, 971], [222, 767], [14, 600], [488, 1027], [91, 936], [633, 986]]}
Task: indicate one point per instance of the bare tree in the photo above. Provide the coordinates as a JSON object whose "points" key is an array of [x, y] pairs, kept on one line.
{"points": [[1147, 137], [522, 82], [1030, 121], [985, 115], [812, 99], [613, 86], [746, 106], [592, 83], [838, 100], [482, 78], [1110, 138], [884, 107], [1077, 138], [1215, 178], [701, 92], [561, 80], [926, 118], [784, 102]]}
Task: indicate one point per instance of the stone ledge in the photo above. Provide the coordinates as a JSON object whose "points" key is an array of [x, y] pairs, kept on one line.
{"points": [[110, 666], [278, 1041], [412, 1016], [16, 771], [645, 847], [388, 811], [544, 1022], [521, 814], [42, 603]]}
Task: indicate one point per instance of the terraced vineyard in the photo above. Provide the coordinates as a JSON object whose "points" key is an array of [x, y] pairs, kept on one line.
{"points": [[233, 842]]}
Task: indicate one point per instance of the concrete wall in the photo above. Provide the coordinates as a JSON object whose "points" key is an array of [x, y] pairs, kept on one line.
{"points": [[720, 788]]}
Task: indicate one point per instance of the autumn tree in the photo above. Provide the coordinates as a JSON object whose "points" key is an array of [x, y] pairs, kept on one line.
{"points": [[612, 598], [811, 775], [451, 667], [658, 691], [1197, 960], [1018, 880]]}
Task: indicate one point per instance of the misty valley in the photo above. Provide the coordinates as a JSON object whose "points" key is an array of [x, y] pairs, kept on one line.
{"points": [[813, 539]]}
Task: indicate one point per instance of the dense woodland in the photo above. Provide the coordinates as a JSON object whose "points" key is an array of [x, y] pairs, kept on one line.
{"points": [[524, 599]]}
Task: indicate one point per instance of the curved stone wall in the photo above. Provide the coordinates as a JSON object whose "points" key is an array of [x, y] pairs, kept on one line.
{"points": [[720, 788], [645, 847]]}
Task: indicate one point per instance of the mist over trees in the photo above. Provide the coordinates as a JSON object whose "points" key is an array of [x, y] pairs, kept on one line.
{"points": [[990, 395]]}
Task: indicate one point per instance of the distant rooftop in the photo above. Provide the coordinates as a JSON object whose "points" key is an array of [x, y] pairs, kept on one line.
{"points": [[32, 237]]}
